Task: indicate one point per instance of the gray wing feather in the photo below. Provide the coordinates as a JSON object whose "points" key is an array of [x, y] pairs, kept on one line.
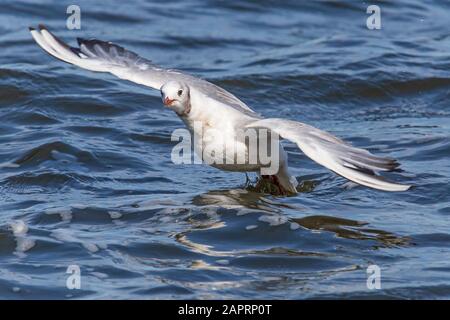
{"points": [[102, 56]]}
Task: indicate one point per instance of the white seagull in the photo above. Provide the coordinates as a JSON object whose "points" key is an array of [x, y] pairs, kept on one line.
{"points": [[196, 100]]}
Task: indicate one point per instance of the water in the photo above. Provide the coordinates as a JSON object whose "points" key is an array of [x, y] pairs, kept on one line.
{"points": [[86, 177]]}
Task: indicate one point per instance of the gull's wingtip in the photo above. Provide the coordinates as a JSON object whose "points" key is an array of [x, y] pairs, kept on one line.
{"points": [[42, 27], [31, 29]]}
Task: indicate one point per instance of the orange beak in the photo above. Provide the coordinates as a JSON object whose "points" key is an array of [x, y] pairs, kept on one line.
{"points": [[168, 101]]}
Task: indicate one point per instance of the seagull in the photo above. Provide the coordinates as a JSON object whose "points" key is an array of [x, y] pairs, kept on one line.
{"points": [[196, 100]]}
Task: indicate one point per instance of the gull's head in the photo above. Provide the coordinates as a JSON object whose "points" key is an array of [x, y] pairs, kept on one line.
{"points": [[175, 95]]}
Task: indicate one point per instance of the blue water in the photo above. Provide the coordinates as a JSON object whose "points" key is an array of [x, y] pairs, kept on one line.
{"points": [[86, 177]]}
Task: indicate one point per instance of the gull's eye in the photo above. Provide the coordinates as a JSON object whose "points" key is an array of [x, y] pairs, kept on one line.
{"points": [[180, 92]]}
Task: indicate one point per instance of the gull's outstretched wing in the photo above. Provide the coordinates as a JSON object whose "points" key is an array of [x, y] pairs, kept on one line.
{"points": [[101, 56], [357, 165]]}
